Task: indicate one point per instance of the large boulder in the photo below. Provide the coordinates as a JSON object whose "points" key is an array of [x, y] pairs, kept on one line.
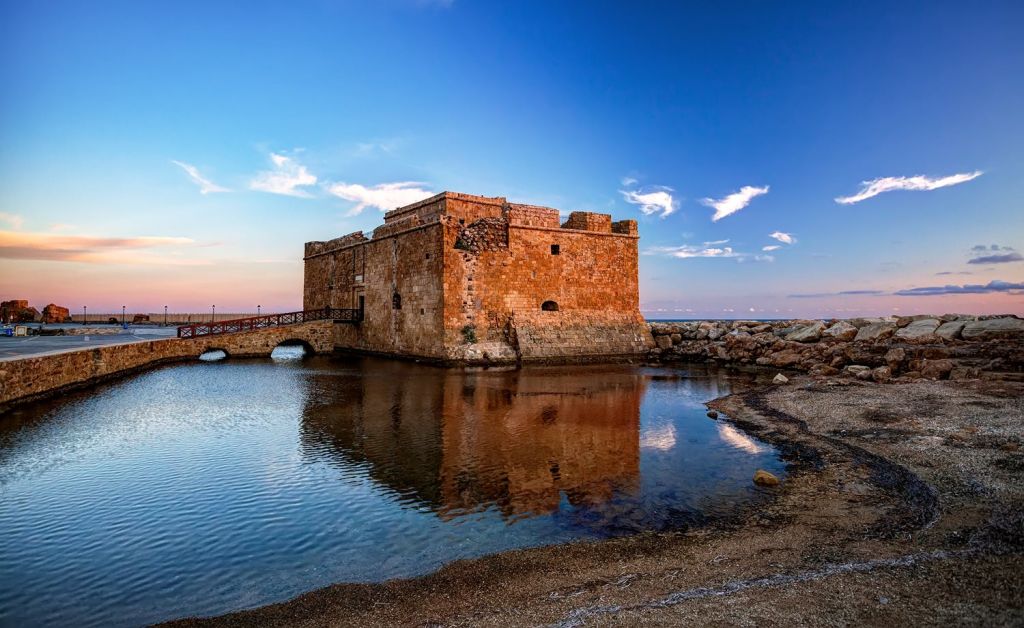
{"points": [[807, 333], [876, 331], [936, 369], [919, 328], [950, 330], [53, 313], [841, 331], [992, 328]]}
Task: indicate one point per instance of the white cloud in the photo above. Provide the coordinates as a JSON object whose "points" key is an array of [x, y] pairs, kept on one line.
{"points": [[771, 247], [764, 258], [733, 202], [629, 181], [658, 200], [875, 187], [205, 185], [785, 238], [286, 178], [14, 220], [384, 196], [707, 249]]}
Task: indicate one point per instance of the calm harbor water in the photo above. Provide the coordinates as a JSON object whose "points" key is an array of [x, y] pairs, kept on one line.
{"points": [[204, 488]]}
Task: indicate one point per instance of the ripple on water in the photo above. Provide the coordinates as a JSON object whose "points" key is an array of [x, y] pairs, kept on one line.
{"points": [[205, 488]]}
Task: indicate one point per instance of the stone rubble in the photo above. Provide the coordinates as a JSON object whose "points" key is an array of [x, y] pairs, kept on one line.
{"points": [[890, 349]]}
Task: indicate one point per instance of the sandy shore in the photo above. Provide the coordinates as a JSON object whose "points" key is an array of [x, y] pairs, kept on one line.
{"points": [[905, 505]]}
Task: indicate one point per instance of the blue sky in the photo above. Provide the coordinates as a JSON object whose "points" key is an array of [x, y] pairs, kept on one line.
{"points": [[299, 115]]}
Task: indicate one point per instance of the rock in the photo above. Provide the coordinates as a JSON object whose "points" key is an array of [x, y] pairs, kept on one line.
{"points": [[841, 331], [663, 342], [712, 414], [919, 328], [936, 369], [950, 330], [763, 478], [780, 379], [785, 359], [903, 321], [823, 370], [965, 372], [881, 374], [857, 369], [895, 356], [676, 338], [875, 331], [715, 333], [808, 333], [992, 328]]}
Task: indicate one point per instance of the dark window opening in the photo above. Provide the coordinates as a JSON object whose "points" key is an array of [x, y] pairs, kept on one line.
{"points": [[462, 221], [549, 306], [396, 301], [428, 255], [555, 249], [423, 311]]}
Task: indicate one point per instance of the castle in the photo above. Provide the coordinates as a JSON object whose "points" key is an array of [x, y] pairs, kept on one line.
{"points": [[474, 279]]}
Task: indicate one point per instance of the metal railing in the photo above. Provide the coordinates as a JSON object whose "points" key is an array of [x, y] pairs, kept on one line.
{"points": [[338, 315]]}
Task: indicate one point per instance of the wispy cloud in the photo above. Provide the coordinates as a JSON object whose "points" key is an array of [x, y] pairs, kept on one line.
{"points": [[785, 238], [733, 202], [385, 196], [996, 254], [707, 249], [93, 249], [992, 286], [629, 181], [205, 185], [875, 187], [844, 293], [652, 201], [771, 247], [950, 272], [14, 220], [288, 178]]}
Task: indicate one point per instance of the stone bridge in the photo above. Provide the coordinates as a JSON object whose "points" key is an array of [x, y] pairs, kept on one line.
{"points": [[24, 379]]}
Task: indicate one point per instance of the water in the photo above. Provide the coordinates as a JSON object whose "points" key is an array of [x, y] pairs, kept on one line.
{"points": [[209, 487]]}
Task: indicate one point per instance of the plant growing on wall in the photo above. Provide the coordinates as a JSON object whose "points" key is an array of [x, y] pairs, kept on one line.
{"points": [[469, 334]]}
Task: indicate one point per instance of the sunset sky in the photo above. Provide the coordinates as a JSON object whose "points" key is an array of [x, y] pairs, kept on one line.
{"points": [[783, 159]]}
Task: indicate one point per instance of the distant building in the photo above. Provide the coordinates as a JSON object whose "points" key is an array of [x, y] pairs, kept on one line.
{"points": [[475, 279]]}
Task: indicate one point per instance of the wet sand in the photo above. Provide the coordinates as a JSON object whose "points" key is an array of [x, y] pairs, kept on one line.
{"points": [[904, 505]]}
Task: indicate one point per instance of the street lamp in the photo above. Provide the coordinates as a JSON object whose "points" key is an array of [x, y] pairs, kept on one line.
{"points": [[122, 314], [213, 315], [165, 316], [84, 310], [257, 310]]}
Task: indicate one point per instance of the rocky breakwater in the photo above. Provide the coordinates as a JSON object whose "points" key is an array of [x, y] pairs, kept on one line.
{"points": [[881, 349]]}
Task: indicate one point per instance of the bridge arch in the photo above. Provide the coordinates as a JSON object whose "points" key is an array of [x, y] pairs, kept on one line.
{"points": [[214, 354], [292, 349]]}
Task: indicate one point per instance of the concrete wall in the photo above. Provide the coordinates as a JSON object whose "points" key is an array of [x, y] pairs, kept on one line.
{"points": [[27, 378]]}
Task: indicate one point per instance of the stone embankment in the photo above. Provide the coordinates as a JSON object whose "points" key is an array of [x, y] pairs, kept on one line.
{"points": [[880, 349], [24, 379]]}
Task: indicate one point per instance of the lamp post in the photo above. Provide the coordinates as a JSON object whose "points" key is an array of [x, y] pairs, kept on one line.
{"points": [[84, 310], [213, 314], [122, 315], [165, 316], [257, 310]]}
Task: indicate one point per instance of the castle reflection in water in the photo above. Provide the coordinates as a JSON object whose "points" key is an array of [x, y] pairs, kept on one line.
{"points": [[459, 441]]}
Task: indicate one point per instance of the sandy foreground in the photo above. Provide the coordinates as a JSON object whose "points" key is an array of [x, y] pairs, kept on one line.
{"points": [[905, 505]]}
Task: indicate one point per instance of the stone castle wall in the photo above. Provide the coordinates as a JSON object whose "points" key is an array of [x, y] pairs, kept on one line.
{"points": [[23, 379], [466, 278]]}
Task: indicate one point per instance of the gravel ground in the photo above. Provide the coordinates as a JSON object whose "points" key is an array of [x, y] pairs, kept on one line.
{"points": [[904, 506]]}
